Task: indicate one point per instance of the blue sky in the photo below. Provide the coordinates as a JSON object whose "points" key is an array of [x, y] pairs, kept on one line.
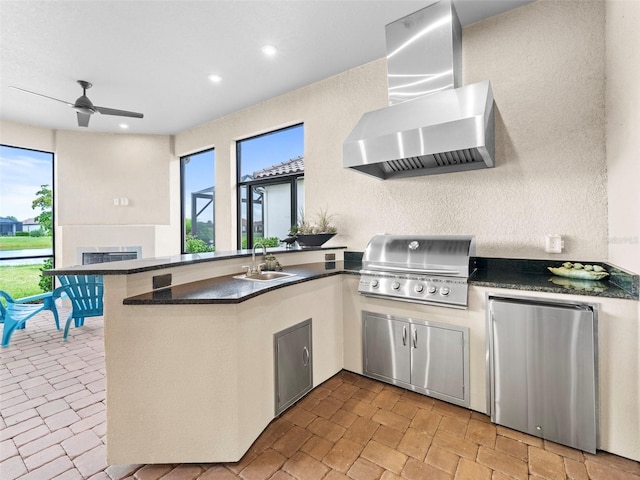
{"points": [[267, 150], [22, 172]]}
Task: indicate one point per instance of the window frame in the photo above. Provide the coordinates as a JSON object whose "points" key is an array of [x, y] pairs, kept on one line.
{"points": [[53, 208], [183, 232], [291, 179]]}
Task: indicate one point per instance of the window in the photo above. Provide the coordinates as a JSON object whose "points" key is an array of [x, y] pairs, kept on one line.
{"points": [[26, 220], [270, 185], [197, 177]]}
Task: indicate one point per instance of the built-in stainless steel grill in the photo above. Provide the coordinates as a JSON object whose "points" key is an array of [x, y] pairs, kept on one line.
{"points": [[418, 268]]}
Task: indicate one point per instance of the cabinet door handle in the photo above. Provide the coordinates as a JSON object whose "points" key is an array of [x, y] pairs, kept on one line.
{"points": [[305, 357], [404, 336], [415, 338]]}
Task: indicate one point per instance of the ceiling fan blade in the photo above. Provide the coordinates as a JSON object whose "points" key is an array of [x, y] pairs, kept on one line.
{"points": [[41, 95], [83, 119], [120, 113]]}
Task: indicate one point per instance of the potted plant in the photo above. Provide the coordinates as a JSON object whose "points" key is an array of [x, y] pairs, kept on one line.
{"points": [[313, 233]]}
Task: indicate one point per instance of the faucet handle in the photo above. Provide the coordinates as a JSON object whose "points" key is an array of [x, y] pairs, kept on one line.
{"points": [[249, 269], [260, 267]]}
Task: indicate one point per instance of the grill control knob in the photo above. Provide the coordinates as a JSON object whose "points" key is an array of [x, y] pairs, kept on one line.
{"points": [[444, 291], [395, 285], [431, 289], [419, 288], [374, 283]]}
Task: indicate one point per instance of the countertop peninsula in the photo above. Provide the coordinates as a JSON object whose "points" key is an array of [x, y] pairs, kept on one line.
{"points": [[514, 274]]}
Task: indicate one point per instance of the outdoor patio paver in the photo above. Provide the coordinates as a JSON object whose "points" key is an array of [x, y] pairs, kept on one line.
{"points": [[53, 427]]}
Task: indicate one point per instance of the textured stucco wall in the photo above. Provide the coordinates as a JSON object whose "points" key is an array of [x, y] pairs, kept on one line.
{"points": [[26, 136], [92, 170], [98, 167], [546, 63]]}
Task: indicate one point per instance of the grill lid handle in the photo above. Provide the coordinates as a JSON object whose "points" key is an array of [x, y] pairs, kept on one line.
{"points": [[389, 268]]}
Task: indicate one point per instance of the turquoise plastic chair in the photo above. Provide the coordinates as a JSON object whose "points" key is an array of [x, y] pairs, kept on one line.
{"points": [[15, 315], [85, 293]]}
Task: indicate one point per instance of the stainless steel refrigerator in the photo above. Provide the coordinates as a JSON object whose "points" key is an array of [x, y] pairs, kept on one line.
{"points": [[543, 375]]}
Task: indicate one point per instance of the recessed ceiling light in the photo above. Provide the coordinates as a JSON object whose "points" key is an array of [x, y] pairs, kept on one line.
{"points": [[215, 78], [269, 50], [123, 126]]}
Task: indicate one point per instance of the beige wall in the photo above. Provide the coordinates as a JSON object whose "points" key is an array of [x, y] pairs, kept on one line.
{"points": [[623, 125], [546, 62], [623, 169], [91, 169], [98, 167], [19, 135]]}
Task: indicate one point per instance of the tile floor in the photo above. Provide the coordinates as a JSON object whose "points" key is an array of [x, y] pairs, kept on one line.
{"points": [[52, 401]]}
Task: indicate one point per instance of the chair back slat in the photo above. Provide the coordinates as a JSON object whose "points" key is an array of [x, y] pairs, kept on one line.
{"points": [[86, 294]]}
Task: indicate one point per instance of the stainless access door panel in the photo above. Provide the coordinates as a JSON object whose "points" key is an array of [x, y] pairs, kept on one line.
{"points": [[543, 369], [293, 364], [437, 360], [386, 348], [423, 356]]}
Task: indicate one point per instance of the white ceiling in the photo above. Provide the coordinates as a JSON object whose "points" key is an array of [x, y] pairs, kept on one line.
{"points": [[154, 56]]}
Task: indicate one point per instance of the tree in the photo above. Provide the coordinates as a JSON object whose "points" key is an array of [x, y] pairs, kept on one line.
{"points": [[44, 201]]}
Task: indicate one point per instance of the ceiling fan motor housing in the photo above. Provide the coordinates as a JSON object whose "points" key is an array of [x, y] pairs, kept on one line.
{"points": [[84, 105]]}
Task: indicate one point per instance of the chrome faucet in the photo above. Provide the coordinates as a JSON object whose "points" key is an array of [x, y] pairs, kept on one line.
{"points": [[256, 269]]}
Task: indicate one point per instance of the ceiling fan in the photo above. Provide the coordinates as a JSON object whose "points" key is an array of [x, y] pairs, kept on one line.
{"points": [[84, 107]]}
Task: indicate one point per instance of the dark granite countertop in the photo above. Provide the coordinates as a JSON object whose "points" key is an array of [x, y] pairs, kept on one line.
{"points": [[533, 275], [127, 267], [229, 290], [515, 274]]}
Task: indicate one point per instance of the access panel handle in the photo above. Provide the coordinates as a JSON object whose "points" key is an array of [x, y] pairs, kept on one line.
{"points": [[305, 357]]}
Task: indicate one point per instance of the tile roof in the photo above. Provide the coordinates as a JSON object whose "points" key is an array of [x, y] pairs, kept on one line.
{"points": [[294, 165]]}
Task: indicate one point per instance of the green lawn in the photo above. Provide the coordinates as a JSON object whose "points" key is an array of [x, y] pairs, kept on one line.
{"points": [[20, 280], [19, 243]]}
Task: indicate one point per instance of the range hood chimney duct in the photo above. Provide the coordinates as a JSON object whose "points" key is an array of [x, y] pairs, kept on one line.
{"points": [[432, 124]]}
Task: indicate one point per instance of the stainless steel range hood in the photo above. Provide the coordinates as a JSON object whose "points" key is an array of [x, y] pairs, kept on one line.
{"points": [[432, 124]]}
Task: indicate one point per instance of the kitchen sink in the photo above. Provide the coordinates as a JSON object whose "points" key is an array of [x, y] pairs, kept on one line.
{"points": [[265, 276]]}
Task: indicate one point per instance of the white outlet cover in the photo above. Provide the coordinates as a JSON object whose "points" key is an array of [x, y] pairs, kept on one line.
{"points": [[553, 244]]}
